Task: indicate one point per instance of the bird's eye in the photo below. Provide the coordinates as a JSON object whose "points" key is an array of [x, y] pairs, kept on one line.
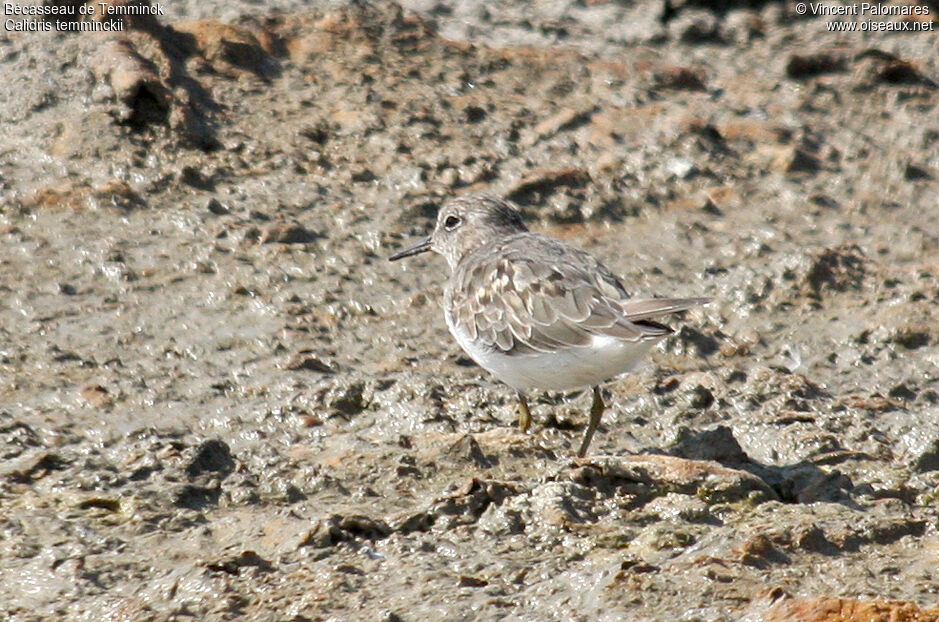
{"points": [[451, 223]]}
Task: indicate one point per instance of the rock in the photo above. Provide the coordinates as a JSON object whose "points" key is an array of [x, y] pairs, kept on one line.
{"points": [[212, 456], [17, 437], [466, 581], [680, 78], [39, 468], [804, 66], [73, 196], [363, 175], [474, 114], [216, 207], [912, 172], [929, 459], [306, 360], [912, 336], [101, 503], [876, 67], [719, 197], [196, 178], [335, 529], [718, 444], [349, 399], [97, 396], [146, 98], [695, 342], [809, 484], [836, 269], [832, 609], [902, 392], [147, 76], [646, 475], [760, 551], [280, 233], [228, 48], [247, 559], [450, 177], [794, 161]]}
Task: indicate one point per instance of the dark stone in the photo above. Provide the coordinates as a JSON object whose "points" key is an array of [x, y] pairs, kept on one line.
{"points": [[916, 173], [474, 114], [902, 392], [701, 397], [247, 559], [929, 459], [335, 529], [696, 341], [718, 444], [363, 175], [805, 66], [837, 269], [215, 206], [212, 456]]}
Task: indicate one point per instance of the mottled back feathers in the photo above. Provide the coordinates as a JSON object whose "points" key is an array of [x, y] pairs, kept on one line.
{"points": [[526, 293]]}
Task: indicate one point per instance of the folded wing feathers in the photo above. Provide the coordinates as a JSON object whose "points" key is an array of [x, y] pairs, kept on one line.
{"points": [[537, 310]]}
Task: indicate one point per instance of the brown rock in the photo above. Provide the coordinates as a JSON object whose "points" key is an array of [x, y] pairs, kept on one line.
{"points": [[680, 78], [116, 193], [720, 196], [873, 403], [830, 609], [794, 161], [760, 551], [96, 395], [228, 48], [134, 81], [66, 195]]}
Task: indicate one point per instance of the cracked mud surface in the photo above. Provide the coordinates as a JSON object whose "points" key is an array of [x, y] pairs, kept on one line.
{"points": [[219, 401]]}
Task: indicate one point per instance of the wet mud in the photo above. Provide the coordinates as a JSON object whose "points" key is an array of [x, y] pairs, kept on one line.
{"points": [[219, 400]]}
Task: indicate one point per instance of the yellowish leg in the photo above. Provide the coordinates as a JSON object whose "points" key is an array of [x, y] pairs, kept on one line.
{"points": [[524, 415], [596, 411]]}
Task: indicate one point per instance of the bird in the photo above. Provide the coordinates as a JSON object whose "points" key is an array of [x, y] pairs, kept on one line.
{"points": [[535, 312]]}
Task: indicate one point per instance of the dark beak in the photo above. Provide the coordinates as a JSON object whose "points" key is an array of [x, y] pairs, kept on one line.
{"points": [[421, 247]]}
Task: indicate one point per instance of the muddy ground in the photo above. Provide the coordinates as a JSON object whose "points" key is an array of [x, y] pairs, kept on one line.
{"points": [[219, 401]]}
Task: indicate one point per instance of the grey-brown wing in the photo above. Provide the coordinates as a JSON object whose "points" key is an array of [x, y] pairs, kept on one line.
{"points": [[515, 303]]}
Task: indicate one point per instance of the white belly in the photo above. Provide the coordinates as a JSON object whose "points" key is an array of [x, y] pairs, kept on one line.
{"points": [[564, 370]]}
